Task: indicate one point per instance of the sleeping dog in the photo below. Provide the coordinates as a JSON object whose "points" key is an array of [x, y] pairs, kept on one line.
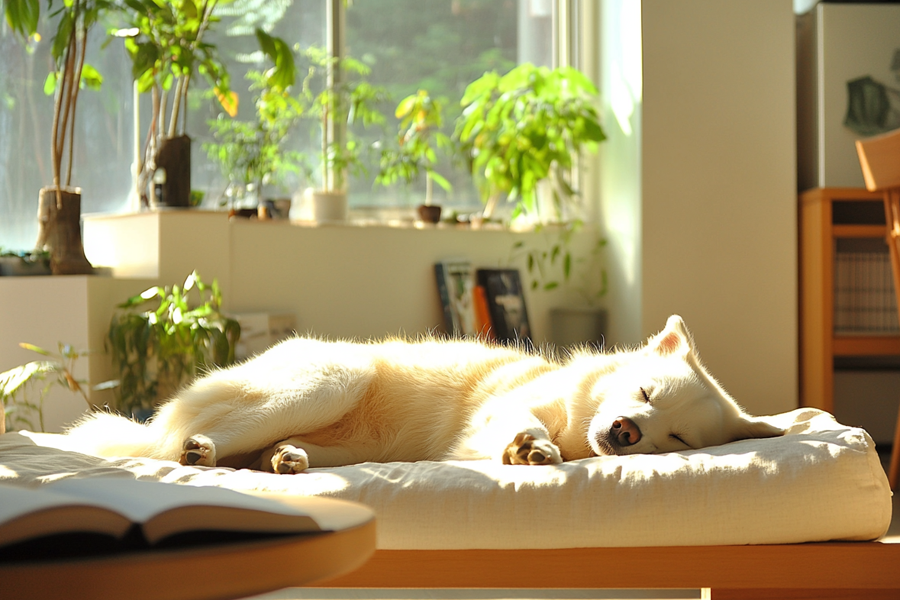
{"points": [[311, 403]]}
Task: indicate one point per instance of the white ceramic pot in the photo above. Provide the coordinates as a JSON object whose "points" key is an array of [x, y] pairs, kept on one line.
{"points": [[571, 326], [327, 207]]}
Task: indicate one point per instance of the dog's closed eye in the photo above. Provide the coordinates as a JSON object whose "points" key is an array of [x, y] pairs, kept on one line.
{"points": [[678, 439], [646, 395]]}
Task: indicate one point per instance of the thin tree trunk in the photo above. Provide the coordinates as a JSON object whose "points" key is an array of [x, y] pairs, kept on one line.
{"points": [[69, 83], [176, 107], [184, 101], [76, 83], [161, 120]]}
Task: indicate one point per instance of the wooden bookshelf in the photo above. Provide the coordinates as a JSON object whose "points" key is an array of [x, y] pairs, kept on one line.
{"points": [[820, 228]]}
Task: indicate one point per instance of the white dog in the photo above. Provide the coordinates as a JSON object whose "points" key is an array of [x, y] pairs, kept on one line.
{"points": [[307, 402]]}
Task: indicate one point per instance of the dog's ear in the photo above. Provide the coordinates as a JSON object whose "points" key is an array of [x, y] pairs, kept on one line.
{"points": [[675, 339], [752, 427]]}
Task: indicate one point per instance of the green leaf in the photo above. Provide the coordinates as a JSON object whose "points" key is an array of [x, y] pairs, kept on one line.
{"points": [[143, 59], [34, 348], [283, 74], [91, 77], [23, 16], [50, 83], [440, 180], [64, 32]]}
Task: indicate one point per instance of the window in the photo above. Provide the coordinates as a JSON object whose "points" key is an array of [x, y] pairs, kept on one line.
{"points": [[438, 45]]}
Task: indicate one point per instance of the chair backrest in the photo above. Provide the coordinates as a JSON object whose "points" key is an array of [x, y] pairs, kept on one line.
{"points": [[879, 158]]}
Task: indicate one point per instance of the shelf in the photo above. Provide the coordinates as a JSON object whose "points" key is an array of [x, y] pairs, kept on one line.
{"points": [[878, 345], [858, 231]]}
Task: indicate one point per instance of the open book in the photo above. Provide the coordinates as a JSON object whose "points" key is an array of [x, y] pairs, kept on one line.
{"points": [[134, 513]]}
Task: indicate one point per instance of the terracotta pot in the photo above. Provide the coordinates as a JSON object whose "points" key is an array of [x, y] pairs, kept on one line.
{"points": [[59, 217], [429, 213]]}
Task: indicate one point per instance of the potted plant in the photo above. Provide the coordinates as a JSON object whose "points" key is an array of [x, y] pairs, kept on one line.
{"points": [[156, 350], [420, 132], [55, 369], [527, 127], [59, 212], [337, 96], [552, 265], [165, 41], [18, 264], [252, 154]]}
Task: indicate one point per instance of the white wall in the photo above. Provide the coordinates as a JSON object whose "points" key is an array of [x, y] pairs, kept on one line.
{"points": [[839, 43], [704, 220], [339, 280]]}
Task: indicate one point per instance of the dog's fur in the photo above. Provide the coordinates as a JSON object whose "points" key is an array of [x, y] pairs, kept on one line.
{"points": [[307, 402]]}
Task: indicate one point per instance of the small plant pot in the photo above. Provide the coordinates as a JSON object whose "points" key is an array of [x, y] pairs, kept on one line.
{"points": [[572, 327], [18, 266], [430, 213], [327, 207]]}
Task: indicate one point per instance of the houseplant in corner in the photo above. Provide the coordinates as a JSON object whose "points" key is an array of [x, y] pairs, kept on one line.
{"points": [[337, 96], [165, 41], [420, 124], [525, 128], [59, 212], [156, 350]]}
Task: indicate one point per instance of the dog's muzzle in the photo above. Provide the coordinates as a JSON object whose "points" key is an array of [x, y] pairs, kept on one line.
{"points": [[624, 432]]}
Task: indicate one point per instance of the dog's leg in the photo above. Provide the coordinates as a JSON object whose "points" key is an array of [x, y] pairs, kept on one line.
{"points": [[531, 447], [506, 430], [295, 455], [198, 450]]}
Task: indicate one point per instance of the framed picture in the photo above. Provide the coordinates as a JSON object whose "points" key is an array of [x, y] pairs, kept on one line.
{"points": [[456, 282], [505, 304]]}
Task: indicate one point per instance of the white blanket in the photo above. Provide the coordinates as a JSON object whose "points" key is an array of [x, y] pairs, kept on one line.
{"points": [[821, 481]]}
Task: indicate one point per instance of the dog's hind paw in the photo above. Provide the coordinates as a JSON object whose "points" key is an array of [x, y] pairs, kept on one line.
{"points": [[289, 459], [529, 450], [198, 450]]}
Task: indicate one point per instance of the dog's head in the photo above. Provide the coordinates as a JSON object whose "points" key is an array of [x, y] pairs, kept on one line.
{"points": [[661, 399]]}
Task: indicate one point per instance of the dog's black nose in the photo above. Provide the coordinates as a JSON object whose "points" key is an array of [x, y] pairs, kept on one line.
{"points": [[625, 431]]}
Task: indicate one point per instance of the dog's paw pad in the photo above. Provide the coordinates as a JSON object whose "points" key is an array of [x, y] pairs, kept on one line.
{"points": [[529, 450], [198, 450], [288, 459]]}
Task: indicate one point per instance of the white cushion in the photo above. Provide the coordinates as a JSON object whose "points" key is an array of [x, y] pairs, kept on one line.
{"points": [[821, 481]]}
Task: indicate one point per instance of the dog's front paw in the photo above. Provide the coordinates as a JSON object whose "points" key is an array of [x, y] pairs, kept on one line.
{"points": [[529, 450], [198, 450], [289, 459]]}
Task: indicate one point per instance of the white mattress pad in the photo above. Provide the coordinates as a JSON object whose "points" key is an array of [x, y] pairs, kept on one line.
{"points": [[821, 481]]}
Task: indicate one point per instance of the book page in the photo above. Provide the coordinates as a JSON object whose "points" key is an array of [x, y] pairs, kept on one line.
{"points": [[166, 508], [27, 512]]}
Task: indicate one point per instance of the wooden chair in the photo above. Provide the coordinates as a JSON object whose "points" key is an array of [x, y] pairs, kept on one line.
{"points": [[879, 158]]}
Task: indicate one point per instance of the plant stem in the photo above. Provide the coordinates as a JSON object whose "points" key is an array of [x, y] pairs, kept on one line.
{"points": [[176, 107], [325, 147], [161, 120], [70, 83], [77, 80]]}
